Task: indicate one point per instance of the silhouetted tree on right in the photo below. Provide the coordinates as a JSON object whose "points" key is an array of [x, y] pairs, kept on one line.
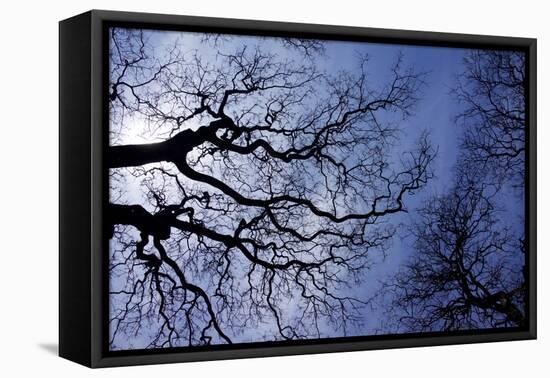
{"points": [[492, 91], [465, 272]]}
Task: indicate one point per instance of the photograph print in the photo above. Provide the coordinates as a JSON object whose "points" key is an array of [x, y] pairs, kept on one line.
{"points": [[276, 190]]}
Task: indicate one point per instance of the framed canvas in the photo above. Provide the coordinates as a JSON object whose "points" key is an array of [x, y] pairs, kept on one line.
{"points": [[233, 188]]}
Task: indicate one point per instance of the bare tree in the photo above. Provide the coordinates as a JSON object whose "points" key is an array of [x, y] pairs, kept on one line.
{"points": [[492, 90], [465, 272], [261, 201], [467, 269]]}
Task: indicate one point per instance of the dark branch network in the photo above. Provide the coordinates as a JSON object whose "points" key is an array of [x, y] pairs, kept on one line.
{"points": [[267, 183]]}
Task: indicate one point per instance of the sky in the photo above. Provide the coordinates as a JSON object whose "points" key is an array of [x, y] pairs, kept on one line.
{"points": [[434, 113]]}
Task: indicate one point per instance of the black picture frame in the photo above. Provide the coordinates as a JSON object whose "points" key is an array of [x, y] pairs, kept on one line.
{"points": [[83, 184]]}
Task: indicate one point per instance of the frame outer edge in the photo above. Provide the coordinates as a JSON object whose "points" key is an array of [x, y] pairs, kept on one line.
{"points": [[532, 168], [97, 190], [99, 17], [74, 176]]}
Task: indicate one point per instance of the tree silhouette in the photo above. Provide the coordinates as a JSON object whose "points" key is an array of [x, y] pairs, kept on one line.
{"points": [[467, 270], [464, 273], [492, 89], [262, 195]]}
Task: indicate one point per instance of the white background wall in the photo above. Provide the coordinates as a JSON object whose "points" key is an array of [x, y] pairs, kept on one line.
{"points": [[28, 186]]}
